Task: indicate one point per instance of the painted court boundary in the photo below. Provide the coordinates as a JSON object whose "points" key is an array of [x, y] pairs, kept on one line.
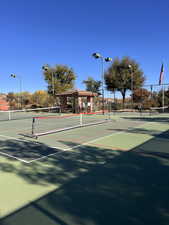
{"points": [[61, 149], [85, 143], [56, 153], [17, 139]]}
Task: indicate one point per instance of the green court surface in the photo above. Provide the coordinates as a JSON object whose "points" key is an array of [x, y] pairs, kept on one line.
{"points": [[111, 173]]}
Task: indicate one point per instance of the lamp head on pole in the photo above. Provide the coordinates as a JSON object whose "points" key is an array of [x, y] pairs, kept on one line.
{"points": [[13, 75], [45, 68], [96, 55], [108, 59]]}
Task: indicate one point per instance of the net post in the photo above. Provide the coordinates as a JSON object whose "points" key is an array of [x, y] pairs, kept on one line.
{"points": [[60, 110], [9, 116], [33, 126], [81, 119], [109, 117], [110, 109], [140, 109]]}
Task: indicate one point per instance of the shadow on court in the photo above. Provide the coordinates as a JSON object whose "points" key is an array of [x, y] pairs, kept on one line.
{"points": [[148, 119], [98, 187], [25, 150], [32, 150]]}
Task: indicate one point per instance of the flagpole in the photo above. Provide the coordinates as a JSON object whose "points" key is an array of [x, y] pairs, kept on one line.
{"points": [[161, 80], [163, 97]]}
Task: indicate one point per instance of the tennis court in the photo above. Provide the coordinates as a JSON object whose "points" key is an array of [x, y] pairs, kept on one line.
{"points": [[59, 177], [56, 134]]}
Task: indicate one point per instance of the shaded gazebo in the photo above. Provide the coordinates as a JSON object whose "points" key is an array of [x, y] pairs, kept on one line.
{"points": [[80, 100]]}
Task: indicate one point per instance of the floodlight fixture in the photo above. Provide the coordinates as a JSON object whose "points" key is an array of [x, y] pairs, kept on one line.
{"points": [[96, 55], [132, 84], [46, 68], [20, 85], [13, 75], [108, 59]]}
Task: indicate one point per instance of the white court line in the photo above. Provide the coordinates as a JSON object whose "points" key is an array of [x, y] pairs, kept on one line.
{"points": [[9, 137], [69, 149], [10, 156], [46, 156], [19, 139], [96, 139], [85, 143], [66, 149], [13, 157]]}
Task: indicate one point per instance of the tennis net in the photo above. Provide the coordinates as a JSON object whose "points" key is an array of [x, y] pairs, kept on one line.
{"points": [[53, 124], [28, 113], [154, 110]]}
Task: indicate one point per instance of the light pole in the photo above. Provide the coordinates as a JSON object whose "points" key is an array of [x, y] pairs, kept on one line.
{"points": [[108, 59], [20, 85], [132, 86], [46, 68]]}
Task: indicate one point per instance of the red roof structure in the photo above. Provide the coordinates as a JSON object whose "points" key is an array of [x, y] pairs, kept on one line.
{"points": [[79, 93], [4, 105], [78, 104]]}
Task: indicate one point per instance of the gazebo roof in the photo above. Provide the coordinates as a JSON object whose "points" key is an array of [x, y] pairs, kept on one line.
{"points": [[78, 93]]}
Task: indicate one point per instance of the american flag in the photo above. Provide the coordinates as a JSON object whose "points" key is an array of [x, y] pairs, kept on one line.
{"points": [[161, 74]]}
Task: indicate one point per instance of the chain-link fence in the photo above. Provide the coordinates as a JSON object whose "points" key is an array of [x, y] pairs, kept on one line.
{"points": [[148, 98]]}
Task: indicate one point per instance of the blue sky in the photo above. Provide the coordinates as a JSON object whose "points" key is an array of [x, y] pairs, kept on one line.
{"points": [[34, 33]]}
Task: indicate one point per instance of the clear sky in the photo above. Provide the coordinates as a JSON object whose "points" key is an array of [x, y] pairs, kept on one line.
{"points": [[37, 32]]}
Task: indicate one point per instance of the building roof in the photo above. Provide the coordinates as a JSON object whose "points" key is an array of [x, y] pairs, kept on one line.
{"points": [[78, 93], [4, 105]]}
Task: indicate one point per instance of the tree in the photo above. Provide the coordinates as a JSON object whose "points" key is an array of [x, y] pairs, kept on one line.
{"points": [[41, 98], [92, 85], [26, 98], [166, 98], [12, 99], [119, 76], [141, 94], [60, 77], [145, 98]]}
